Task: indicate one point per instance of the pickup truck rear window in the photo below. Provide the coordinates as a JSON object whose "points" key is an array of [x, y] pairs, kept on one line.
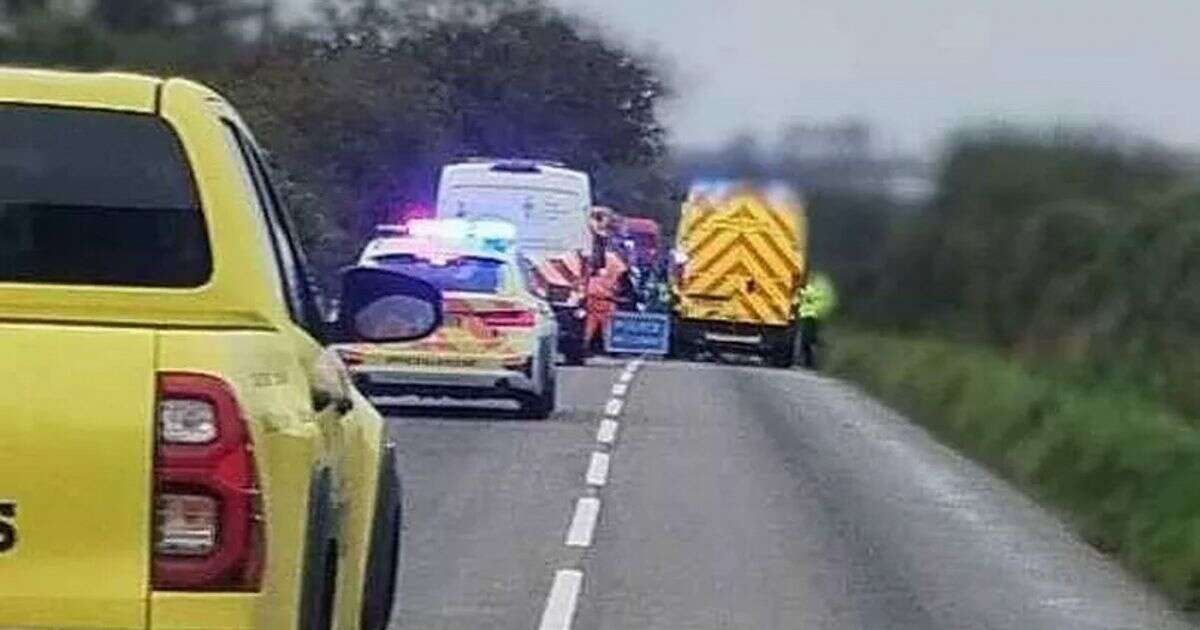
{"points": [[97, 197]]}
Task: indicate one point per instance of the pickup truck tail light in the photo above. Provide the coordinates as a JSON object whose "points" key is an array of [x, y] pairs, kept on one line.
{"points": [[207, 511]]}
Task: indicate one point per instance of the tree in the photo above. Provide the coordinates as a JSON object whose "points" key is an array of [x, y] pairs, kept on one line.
{"points": [[351, 130], [531, 83], [361, 116], [37, 34], [135, 16], [165, 36]]}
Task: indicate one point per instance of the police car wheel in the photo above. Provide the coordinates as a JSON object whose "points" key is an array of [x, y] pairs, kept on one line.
{"points": [[540, 406]]}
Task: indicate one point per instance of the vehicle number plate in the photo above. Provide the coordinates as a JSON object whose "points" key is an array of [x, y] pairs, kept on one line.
{"points": [[746, 339]]}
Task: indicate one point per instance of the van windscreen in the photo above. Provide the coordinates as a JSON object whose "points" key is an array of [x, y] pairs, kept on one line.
{"points": [[546, 219], [97, 197]]}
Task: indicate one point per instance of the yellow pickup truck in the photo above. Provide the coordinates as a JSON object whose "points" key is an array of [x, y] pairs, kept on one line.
{"points": [[180, 450]]}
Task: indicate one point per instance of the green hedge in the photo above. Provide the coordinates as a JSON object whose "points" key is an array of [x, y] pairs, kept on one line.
{"points": [[1125, 469]]}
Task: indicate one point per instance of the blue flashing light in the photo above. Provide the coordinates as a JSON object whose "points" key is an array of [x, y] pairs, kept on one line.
{"points": [[494, 230], [494, 235]]}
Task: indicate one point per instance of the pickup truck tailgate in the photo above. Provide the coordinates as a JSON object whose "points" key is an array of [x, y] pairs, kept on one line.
{"points": [[76, 460]]}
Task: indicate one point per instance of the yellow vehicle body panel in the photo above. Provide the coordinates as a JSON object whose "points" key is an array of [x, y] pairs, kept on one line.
{"points": [[199, 611], [80, 480], [267, 380], [745, 255], [108, 90], [78, 415]]}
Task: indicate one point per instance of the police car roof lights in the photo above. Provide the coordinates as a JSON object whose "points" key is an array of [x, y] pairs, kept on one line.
{"points": [[515, 165], [495, 230], [492, 234]]}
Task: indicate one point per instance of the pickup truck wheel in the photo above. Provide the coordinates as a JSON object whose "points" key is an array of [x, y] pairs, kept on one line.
{"points": [[320, 564], [383, 565], [328, 589], [316, 610]]}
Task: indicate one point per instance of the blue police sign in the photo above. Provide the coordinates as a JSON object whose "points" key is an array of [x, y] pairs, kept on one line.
{"points": [[639, 333]]}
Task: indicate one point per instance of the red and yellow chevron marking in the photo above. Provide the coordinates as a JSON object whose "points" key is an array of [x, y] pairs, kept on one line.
{"points": [[464, 340], [745, 255], [566, 270]]}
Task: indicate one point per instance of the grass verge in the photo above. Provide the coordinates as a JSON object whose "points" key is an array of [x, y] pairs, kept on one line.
{"points": [[1124, 468]]}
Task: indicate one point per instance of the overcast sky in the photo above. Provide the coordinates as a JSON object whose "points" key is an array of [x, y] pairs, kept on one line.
{"points": [[918, 67]]}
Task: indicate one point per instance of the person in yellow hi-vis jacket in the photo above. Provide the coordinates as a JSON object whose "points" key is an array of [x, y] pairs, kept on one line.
{"points": [[817, 301]]}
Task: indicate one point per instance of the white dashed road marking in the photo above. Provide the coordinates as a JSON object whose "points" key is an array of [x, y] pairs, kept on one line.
{"points": [[597, 472], [561, 603], [563, 599], [607, 434], [583, 524]]}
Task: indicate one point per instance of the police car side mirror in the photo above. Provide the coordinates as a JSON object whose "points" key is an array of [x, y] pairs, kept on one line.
{"points": [[385, 306]]}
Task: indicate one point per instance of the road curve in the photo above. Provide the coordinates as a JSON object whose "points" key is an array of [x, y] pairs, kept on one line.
{"points": [[731, 497]]}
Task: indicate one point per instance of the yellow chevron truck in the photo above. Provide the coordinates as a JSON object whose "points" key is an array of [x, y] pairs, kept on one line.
{"points": [[740, 259]]}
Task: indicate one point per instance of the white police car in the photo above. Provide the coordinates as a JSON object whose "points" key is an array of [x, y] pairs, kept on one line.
{"points": [[498, 339]]}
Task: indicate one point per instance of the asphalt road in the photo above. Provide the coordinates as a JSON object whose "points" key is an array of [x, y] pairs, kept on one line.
{"points": [[734, 497]]}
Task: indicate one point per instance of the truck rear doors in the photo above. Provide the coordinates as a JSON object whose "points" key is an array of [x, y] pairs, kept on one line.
{"points": [[743, 252]]}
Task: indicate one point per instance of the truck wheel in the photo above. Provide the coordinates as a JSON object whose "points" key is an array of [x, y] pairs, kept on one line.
{"points": [[682, 348], [677, 350], [784, 356]]}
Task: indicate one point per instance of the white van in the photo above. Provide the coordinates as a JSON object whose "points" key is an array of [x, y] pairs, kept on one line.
{"points": [[547, 202], [549, 205]]}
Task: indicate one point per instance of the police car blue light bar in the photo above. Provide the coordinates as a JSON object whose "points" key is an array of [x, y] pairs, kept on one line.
{"points": [[495, 234]]}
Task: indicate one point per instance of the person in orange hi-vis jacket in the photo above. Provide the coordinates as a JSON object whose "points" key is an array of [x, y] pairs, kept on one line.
{"points": [[608, 283], [609, 288]]}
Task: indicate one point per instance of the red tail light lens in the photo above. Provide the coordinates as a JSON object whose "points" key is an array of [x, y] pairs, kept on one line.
{"points": [[207, 534], [509, 318]]}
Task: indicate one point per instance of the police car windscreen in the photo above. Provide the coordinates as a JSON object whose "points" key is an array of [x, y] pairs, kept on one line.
{"points": [[97, 197], [466, 274], [546, 219]]}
